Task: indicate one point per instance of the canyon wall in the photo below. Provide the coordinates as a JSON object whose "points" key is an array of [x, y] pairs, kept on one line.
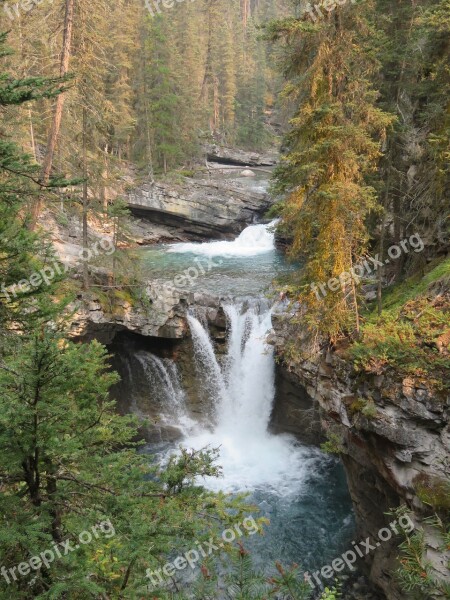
{"points": [[388, 451]]}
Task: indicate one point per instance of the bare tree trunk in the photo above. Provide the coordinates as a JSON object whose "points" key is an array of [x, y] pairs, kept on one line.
{"points": [[115, 242], [85, 208], [64, 69], [245, 12], [59, 105], [32, 138], [381, 269], [382, 239], [105, 175], [355, 302]]}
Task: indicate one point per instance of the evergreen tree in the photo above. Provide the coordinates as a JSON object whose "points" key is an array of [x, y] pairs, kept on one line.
{"points": [[333, 146], [21, 252], [68, 463]]}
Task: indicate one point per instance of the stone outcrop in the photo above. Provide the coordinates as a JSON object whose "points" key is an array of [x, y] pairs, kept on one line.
{"points": [[199, 209], [158, 326], [294, 410], [386, 451], [232, 156], [161, 315]]}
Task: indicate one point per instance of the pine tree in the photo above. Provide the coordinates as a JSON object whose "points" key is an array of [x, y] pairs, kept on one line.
{"points": [[333, 146], [68, 463], [22, 253]]}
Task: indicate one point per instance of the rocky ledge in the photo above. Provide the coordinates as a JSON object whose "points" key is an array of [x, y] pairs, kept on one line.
{"points": [[199, 209], [232, 156], [161, 314], [389, 451]]}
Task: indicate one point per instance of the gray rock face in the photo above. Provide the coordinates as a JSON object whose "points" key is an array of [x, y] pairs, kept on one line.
{"points": [[231, 156], [294, 411], [199, 209], [384, 452], [163, 315]]}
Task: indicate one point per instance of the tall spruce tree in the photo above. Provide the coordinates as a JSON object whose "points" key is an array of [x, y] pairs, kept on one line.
{"points": [[334, 145]]}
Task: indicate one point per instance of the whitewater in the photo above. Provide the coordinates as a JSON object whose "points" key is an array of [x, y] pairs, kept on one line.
{"points": [[254, 240]]}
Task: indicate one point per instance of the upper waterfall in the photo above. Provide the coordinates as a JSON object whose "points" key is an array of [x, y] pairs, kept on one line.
{"points": [[254, 240]]}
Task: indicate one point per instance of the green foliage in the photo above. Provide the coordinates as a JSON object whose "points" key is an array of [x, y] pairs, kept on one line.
{"points": [[22, 253], [289, 583], [333, 147], [18, 91], [415, 573], [244, 583], [187, 173], [364, 406], [275, 210], [412, 338], [363, 80], [397, 295], [331, 594], [333, 445]]}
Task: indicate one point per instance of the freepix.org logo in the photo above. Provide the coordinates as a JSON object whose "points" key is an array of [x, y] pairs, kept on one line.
{"points": [[13, 10], [155, 7], [57, 551]]}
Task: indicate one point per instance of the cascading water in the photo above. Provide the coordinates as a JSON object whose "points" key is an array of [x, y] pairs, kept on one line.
{"points": [[243, 390], [300, 490], [243, 267], [254, 240], [165, 387]]}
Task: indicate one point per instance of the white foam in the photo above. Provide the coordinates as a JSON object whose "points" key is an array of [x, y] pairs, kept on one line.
{"points": [[254, 240], [244, 389]]}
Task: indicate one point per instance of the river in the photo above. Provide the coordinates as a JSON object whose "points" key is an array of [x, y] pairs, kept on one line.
{"points": [[301, 491]]}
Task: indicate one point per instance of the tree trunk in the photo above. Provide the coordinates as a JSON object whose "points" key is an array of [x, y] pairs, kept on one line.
{"points": [[104, 183], [85, 207], [55, 512], [32, 138], [381, 268], [59, 105], [355, 302], [115, 242], [382, 239], [245, 12]]}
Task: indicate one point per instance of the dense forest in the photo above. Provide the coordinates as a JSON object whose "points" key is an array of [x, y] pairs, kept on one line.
{"points": [[367, 153], [97, 96], [151, 87]]}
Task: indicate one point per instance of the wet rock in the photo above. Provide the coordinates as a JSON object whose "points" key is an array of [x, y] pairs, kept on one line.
{"points": [[199, 209], [247, 173]]}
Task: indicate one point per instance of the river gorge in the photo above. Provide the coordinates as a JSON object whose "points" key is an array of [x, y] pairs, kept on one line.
{"points": [[202, 365], [298, 488]]}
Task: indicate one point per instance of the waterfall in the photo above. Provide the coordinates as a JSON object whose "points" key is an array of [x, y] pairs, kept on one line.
{"points": [[208, 368], [250, 374], [242, 387], [254, 240], [165, 389], [162, 375]]}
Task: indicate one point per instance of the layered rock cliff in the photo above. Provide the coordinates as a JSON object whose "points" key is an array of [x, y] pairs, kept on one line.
{"points": [[161, 313], [233, 156], [200, 209], [393, 436]]}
